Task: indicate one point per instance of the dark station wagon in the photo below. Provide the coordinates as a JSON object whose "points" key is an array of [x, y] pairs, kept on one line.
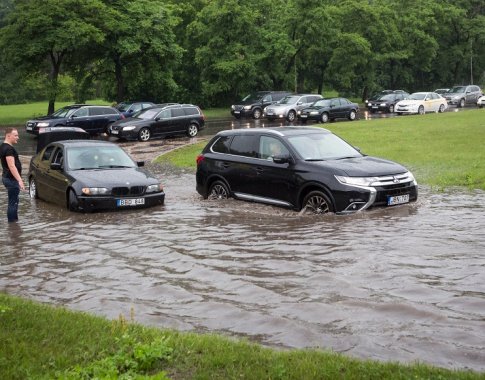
{"points": [[301, 168]]}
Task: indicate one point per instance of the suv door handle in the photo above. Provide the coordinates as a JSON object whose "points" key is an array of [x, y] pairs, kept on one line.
{"points": [[259, 169], [225, 165]]}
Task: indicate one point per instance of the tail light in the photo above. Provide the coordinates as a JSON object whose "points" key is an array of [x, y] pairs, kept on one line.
{"points": [[199, 159]]}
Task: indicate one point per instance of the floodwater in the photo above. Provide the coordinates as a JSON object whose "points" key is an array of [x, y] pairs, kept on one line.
{"points": [[399, 284]]}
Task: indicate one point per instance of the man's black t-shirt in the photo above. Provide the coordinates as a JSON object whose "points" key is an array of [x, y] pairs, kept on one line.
{"points": [[5, 151]]}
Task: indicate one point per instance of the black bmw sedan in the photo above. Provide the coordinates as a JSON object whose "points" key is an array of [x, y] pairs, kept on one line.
{"points": [[88, 175], [301, 168], [329, 109]]}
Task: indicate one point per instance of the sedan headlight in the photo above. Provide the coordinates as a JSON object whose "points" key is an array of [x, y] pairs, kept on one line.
{"points": [[129, 128], [95, 190], [154, 188], [247, 107], [314, 113], [383, 104], [357, 181], [43, 124]]}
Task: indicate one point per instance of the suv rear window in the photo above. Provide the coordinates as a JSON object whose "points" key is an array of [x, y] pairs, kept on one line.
{"points": [[243, 145], [176, 112], [222, 145], [191, 111]]}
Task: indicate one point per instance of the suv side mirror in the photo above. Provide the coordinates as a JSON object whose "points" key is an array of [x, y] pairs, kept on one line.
{"points": [[281, 159]]}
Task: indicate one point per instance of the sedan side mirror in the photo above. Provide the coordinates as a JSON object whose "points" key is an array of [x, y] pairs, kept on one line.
{"points": [[140, 163]]}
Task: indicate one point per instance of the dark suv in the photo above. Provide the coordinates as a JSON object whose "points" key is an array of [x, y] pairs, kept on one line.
{"points": [[93, 119], [300, 168], [159, 121], [254, 104]]}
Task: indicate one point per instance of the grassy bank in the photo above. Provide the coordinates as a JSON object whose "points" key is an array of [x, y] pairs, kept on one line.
{"points": [[39, 341], [442, 150]]}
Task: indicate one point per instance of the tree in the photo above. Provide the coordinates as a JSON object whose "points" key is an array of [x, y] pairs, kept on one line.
{"points": [[41, 34]]}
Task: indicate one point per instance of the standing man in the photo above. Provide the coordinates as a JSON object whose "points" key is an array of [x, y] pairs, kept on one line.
{"points": [[12, 170]]}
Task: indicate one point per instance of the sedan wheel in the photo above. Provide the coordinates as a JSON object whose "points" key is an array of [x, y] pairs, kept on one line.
{"points": [[144, 134], [352, 115], [257, 113], [192, 130], [33, 189], [291, 116], [442, 108], [218, 190], [324, 118], [73, 202], [391, 108], [421, 110], [317, 202]]}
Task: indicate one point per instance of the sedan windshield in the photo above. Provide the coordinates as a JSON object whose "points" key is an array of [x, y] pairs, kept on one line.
{"points": [[289, 100], [418, 96], [147, 114], [123, 107], [322, 103], [64, 112], [96, 157], [322, 146]]}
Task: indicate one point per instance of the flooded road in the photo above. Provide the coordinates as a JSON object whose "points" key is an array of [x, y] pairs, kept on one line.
{"points": [[404, 283]]}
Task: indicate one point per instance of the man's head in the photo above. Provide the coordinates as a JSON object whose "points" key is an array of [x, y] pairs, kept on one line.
{"points": [[11, 136]]}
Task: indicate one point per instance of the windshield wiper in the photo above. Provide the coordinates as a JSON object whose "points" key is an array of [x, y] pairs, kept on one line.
{"points": [[314, 159], [115, 166]]}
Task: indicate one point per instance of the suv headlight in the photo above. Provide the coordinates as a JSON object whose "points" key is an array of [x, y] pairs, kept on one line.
{"points": [[247, 107], [95, 190], [154, 188], [43, 124], [357, 181]]}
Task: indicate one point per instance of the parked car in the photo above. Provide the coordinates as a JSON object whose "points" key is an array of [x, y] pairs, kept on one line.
{"points": [[301, 168], [160, 121], [254, 104], [88, 175], [387, 102], [422, 102], [130, 108], [377, 95], [329, 109], [288, 107], [481, 101], [442, 91], [93, 119], [462, 95]]}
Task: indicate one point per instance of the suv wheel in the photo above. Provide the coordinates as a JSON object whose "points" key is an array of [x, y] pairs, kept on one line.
{"points": [[257, 113], [462, 103], [192, 130], [218, 190], [317, 202], [291, 116], [144, 134]]}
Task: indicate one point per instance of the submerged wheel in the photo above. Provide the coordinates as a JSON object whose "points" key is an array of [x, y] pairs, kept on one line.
{"points": [[144, 134], [33, 189], [192, 130], [72, 201], [421, 110], [324, 118], [291, 116], [218, 190], [352, 115], [317, 202]]}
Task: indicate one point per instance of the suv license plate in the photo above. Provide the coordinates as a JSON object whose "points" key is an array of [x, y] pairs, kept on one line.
{"points": [[130, 202], [397, 200]]}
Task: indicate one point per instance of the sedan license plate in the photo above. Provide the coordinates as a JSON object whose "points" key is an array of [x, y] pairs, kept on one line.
{"points": [[130, 202], [29, 127], [113, 132], [397, 200], [304, 116], [236, 112]]}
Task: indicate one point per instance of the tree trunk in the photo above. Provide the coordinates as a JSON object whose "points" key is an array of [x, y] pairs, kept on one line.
{"points": [[56, 60], [120, 83]]}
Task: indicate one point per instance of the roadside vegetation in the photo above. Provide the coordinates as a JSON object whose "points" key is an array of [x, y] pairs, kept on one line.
{"points": [[442, 150], [44, 342]]}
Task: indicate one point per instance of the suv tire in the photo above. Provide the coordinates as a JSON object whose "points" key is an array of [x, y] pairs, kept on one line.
{"points": [[218, 190], [316, 202]]}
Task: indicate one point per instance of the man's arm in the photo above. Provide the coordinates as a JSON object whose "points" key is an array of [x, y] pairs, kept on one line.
{"points": [[14, 171]]}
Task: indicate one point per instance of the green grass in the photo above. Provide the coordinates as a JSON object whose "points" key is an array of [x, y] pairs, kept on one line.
{"points": [[43, 342], [442, 150]]}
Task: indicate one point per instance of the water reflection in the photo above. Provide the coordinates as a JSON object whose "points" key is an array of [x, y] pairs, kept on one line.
{"points": [[396, 284]]}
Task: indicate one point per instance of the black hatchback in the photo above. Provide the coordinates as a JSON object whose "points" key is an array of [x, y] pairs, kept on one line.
{"points": [[301, 168]]}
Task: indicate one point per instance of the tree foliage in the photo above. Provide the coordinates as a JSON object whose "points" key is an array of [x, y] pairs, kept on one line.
{"points": [[213, 51]]}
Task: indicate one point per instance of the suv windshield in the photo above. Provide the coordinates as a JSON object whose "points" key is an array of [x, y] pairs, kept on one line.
{"points": [[253, 97], [322, 146], [457, 89], [64, 112]]}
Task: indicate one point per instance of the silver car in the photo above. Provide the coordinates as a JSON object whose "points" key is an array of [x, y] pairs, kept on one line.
{"points": [[288, 107], [461, 95]]}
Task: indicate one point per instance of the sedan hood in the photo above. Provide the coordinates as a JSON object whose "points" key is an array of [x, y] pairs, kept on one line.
{"points": [[410, 102], [113, 177], [366, 166], [47, 118]]}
